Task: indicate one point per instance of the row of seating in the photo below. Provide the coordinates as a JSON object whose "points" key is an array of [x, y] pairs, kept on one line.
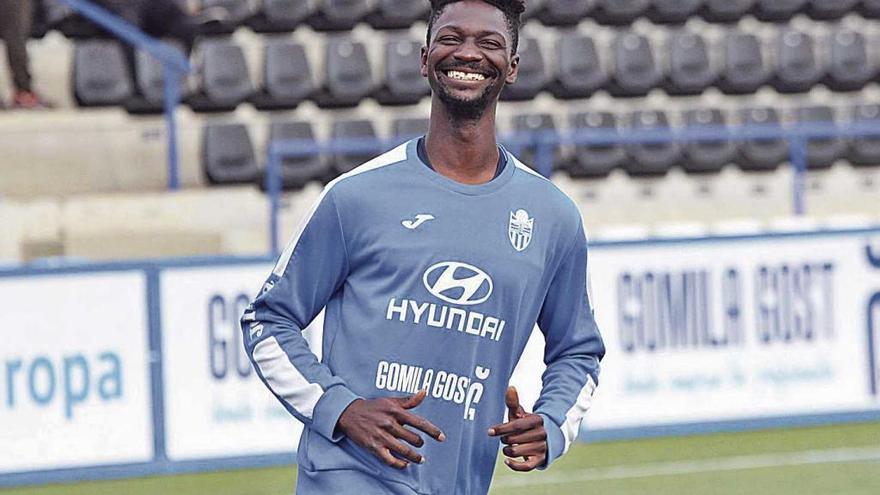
{"points": [[228, 154], [270, 16], [738, 66]]}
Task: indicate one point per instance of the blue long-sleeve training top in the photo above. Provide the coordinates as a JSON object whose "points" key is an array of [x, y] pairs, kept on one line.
{"points": [[428, 284]]}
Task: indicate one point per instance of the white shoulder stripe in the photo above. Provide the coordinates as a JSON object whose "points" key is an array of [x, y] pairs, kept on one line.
{"points": [[284, 379], [396, 155], [520, 165], [575, 415]]}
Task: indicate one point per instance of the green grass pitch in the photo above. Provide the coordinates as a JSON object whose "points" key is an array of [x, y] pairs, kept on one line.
{"points": [[839, 460]]}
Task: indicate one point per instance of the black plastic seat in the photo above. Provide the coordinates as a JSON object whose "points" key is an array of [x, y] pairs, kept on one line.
{"points": [[358, 131], [635, 70], [533, 74], [726, 10], [651, 159], [779, 10], [563, 12], [228, 154], [60, 16], [702, 157], [744, 69], [339, 15], [533, 8], [595, 160], [397, 14], [230, 14], [535, 123], [223, 78], [865, 151], [281, 16], [297, 171], [347, 75], [690, 71], [579, 72], [149, 87], [404, 84], [821, 152], [850, 68], [619, 12], [758, 155], [407, 128], [673, 11], [830, 9], [287, 77], [869, 8], [797, 68], [100, 74]]}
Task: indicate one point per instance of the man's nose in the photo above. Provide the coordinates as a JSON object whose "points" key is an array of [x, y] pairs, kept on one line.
{"points": [[468, 52]]}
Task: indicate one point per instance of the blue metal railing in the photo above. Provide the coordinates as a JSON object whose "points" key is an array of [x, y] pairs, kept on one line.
{"points": [[544, 142], [174, 67]]}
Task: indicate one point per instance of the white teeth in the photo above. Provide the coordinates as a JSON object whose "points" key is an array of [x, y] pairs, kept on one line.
{"points": [[465, 76]]}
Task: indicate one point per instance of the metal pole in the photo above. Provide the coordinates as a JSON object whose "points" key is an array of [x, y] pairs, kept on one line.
{"points": [[798, 150], [273, 187], [172, 97]]}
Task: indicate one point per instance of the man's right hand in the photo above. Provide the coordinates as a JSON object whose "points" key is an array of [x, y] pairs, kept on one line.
{"points": [[378, 426]]}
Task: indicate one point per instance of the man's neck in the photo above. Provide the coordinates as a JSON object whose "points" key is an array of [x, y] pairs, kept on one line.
{"points": [[463, 150]]}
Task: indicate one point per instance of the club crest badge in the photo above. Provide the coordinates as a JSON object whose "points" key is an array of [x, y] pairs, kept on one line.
{"points": [[520, 229]]}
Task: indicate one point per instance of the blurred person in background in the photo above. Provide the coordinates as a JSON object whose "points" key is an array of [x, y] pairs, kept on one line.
{"points": [[16, 19]]}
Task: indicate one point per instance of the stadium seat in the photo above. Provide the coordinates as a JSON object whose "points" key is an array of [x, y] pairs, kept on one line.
{"points": [[651, 159], [563, 12], [228, 154], [534, 122], [619, 12], [344, 161], [281, 16], [850, 68], [533, 8], [593, 161], [830, 9], [821, 152], [726, 10], [297, 171], [58, 15], [706, 156], [149, 88], [533, 76], [223, 78], [100, 74], [579, 72], [690, 71], [287, 76], [744, 69], [397, 14], [347, 74], [404, 84], [673, 11], [761, 154], [778, 10], [869, 8], [230, 15], [635, 71], [797, 68], [407, 128], [339, 15], [865, 151]]}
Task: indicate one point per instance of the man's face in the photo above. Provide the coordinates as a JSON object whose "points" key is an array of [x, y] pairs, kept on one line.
{"points": [[468, 60]]}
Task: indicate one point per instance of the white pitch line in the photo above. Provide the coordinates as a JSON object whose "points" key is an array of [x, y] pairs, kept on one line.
{"points": [[864, 454]]}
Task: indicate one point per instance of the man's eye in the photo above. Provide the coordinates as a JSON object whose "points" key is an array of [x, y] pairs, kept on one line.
{"points": [[494, 45], [448, 39]]}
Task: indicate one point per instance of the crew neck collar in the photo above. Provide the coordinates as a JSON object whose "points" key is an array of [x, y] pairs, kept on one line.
{"points": [[470, 189]]}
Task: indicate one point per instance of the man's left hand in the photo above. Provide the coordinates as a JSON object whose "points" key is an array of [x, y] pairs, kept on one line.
{"points": [[523, 435]]}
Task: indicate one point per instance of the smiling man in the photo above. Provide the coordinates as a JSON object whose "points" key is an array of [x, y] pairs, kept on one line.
{"points": [[434, 262]]}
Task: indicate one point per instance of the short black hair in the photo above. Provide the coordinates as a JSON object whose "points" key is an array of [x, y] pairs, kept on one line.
{"points": [[512, 10]]}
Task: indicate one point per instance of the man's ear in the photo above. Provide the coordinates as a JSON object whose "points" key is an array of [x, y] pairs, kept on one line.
{"points": [[513, 73], [424, 68]]}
